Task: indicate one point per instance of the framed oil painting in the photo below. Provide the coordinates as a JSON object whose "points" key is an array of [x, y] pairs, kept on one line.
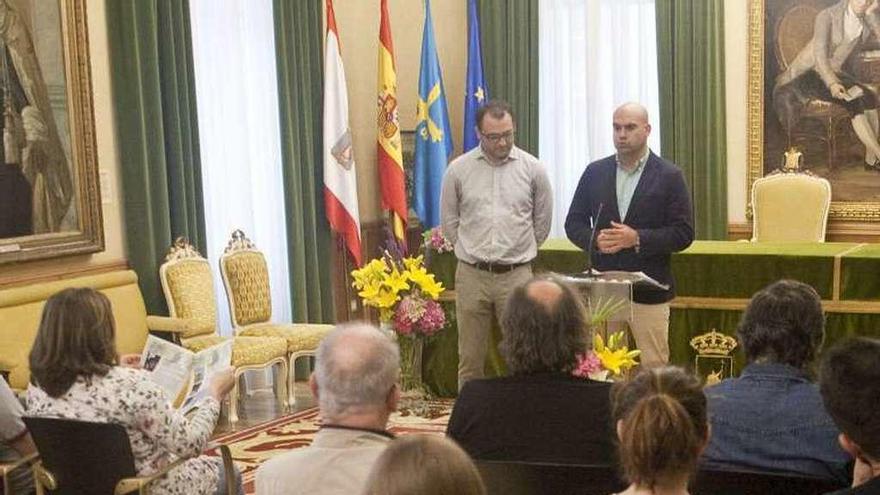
{"points": [[814, 81], [49, 197]]}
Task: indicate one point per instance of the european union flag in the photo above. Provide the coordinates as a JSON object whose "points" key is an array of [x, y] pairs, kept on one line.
{"points": [[433, 136], [476, 92]]}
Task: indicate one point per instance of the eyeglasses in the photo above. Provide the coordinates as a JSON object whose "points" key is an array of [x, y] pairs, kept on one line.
{"points": [[495, 138]]}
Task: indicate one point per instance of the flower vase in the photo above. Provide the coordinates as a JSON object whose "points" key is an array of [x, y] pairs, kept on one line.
{"points": [[411, 364], [387, 328]]}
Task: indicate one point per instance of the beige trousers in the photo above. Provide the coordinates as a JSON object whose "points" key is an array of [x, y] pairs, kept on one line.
{"points": [[478, 296], [650, 329]]}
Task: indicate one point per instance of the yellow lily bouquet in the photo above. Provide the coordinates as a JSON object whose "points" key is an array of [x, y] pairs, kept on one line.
{"points": [[606, 361], [404, 292]]}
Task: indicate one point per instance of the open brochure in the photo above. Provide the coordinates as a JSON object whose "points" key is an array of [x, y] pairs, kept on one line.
{"points": [[634, 278], [854, 92], [172, 367]]}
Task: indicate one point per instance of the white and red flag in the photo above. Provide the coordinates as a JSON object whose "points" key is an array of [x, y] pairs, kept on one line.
{"points": [[340, 175]]}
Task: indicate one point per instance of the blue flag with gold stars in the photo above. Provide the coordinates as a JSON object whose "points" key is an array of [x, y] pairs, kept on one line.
{"points": [[476, 92], [433, 136]]}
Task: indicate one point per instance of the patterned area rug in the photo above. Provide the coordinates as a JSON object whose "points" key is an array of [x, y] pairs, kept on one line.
{"points": [[257, 444]]}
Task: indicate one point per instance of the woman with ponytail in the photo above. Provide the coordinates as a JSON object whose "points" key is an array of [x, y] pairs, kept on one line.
{"points": [[662, 429]]}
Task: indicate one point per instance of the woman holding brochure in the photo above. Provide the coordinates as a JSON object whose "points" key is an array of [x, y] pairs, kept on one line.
{"points": [[76, 374]]}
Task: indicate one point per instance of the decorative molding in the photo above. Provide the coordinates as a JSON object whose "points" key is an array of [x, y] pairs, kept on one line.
{"points": [[61, 273], [239, 242], [182, 250], [835, 232], [732, 304]]}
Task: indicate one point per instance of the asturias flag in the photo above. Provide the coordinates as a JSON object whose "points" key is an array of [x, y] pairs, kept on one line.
{"points": [[433, 136], [340, 173], [389, 153], [476, 91]]}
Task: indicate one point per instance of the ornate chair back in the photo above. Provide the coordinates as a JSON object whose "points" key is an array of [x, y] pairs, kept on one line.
{"points": [[790, 206], [189, 288], [794, 30], [246, 279]]}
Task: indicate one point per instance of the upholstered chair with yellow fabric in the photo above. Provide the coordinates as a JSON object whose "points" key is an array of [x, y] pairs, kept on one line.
{"points": [[188, 286], [246, 278], [790, 206]]}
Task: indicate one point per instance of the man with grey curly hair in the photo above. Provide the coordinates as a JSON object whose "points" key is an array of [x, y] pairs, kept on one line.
{"points": [[568, 419], [355, 382]]}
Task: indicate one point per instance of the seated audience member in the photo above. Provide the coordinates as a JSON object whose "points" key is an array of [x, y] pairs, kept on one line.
{"points": [[540, 412], [15, 441], [355, 382], [662, 429], [771, 418], [75, 374], [850, 383], [424, 465]]}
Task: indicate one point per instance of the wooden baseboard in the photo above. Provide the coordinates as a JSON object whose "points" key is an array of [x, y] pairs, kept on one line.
{"points": [[61, 272]]}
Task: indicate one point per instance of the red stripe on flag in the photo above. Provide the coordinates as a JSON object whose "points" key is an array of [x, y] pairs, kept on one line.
{"points": [[331, 20], [342, 222], [385, 30], [392, 184]]}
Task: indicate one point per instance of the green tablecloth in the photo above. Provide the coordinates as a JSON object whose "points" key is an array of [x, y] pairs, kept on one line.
{"points": [[713, 281]]}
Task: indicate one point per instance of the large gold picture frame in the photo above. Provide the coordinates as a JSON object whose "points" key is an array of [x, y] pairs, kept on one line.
{"points": [[765, 19], [58, 40]]}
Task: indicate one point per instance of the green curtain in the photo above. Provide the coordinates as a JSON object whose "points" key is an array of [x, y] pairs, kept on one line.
{"points": [[157, 131], [510, 61], [690, 60], [298, 45]]}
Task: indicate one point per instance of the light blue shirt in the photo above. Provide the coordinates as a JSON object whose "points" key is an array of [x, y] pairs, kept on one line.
{"points": [[626, 183]]}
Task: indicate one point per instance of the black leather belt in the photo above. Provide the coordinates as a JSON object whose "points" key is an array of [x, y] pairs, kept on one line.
{"points": [[488, 266]]}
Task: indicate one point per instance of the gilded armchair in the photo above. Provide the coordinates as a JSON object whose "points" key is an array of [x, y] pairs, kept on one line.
{"points": [[790, 206], [189, 291], [246, 279]]}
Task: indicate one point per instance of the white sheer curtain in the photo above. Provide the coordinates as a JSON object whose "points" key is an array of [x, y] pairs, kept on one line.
{"points": [[594, 56], [237, 96]]}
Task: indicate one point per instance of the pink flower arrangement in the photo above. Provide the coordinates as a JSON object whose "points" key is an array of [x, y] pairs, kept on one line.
{"points": [[587, 364], [436, 241], [417, 316]]}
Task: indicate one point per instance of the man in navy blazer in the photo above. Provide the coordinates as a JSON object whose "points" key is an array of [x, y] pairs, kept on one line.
{"points": [[641, 210]]}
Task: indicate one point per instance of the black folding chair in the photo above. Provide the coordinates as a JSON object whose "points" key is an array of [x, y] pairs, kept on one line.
{"points": [[532, 478], [724, 482], [82, 457]]}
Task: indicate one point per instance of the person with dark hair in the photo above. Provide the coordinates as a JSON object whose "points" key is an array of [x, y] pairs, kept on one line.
{"points": [[771, 418], [76, 374], [496, 206], [662, 429], [630, 212], [540, 412], [424, 465], [849, 381]]}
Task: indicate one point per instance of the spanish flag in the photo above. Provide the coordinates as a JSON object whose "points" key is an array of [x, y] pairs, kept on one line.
{"points": [[390, 156]]}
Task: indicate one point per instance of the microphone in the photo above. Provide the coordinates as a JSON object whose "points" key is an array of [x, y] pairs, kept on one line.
{"points": [[594, 224]]}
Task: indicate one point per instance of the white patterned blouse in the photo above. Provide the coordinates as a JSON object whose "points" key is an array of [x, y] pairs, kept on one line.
{"points": [[159, 434]]}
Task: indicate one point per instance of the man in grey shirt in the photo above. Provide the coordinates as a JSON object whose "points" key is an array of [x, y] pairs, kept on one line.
{"points": [[355, 382], [495, 208]]}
